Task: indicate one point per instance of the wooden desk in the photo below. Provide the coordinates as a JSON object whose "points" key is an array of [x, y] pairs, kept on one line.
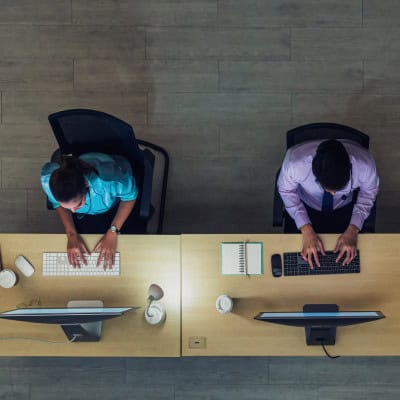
{"points": [[377, 287], [144, 260]]}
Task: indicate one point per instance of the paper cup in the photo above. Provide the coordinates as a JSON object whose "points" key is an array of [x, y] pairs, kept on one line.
{"points": [[8, 278], [224, 304]]}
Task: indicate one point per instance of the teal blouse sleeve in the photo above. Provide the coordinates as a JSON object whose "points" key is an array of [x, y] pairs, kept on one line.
{"points": [[124, 187]]}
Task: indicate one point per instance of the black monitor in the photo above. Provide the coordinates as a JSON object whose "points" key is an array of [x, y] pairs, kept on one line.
{"points": [[80, 324], [320, 320]]}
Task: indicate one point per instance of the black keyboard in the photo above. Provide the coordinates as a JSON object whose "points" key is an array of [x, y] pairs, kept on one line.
{"points": [[293, 265]]}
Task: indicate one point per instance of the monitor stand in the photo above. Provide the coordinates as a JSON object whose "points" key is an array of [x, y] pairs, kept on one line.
{"points": [[87, 332], [320, 334]]}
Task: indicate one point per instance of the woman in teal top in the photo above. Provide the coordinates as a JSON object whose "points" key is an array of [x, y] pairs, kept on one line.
{"points": [[95, 186]]}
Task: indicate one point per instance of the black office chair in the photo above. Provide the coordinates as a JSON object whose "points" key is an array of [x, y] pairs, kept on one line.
{"points": [[80, 131], [320, 130]]}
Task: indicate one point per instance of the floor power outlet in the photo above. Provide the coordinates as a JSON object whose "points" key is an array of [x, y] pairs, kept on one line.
{"points": [[197, 342]]}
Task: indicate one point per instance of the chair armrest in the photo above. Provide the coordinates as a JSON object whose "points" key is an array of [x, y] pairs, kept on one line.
{"points": [[55, 154], [160, 151], [278, 207], [145, 203], [277, 218], [49, 205], [369, 223]]}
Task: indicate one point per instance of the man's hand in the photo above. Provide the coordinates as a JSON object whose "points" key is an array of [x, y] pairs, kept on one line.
{"points": [[106, 247], [75, 249], [311, 245], [347, 244]]}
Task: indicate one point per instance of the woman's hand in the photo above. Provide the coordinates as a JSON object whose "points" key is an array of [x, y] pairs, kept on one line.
{"points": [[106, 247], [75, 249]]}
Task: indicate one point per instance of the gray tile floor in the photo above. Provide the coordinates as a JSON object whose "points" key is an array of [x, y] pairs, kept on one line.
{"points": [[218, 83], [238, 378]]}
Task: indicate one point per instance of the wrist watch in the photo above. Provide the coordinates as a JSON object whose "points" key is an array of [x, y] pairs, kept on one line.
{"points": [[114, 229]]}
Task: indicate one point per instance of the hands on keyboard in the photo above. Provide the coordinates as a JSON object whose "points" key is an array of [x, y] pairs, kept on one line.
{"points": [[94, 259], [294, 264], [313, 248], [56, 264]]}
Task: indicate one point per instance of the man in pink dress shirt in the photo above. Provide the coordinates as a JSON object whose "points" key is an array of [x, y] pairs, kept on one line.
{"points": [[317, 183]]}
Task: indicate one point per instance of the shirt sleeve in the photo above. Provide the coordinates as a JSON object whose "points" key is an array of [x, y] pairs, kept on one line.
{"points": [[288, 183], [124, 187], [368, 181], [45, 175]]}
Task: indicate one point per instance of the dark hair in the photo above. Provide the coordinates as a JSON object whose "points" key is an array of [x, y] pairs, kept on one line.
{"points": [[68, 182], [331, 165]]}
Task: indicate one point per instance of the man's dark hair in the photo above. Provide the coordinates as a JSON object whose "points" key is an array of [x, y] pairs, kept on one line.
{"points": [[331, 165]]}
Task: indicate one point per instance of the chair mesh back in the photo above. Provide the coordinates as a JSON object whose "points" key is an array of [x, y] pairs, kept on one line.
{"points": [[325, 131], [80, 131]]}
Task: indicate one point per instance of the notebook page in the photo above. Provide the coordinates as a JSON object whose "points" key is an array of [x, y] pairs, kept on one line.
{"points": [[254, 258], [230, 253], [233, 258]]}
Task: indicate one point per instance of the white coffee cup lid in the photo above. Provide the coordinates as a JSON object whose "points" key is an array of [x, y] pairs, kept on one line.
{"points": [[7, 278], [224, 304]]}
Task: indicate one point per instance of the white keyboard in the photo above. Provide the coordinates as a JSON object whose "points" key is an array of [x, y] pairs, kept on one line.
{"points": [[56, 264]]}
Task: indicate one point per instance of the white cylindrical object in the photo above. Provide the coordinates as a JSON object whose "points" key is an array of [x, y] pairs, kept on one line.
{"points": [[224, 304], [8, 278], [155, 314]]}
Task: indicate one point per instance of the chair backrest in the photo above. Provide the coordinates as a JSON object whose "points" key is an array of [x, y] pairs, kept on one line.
{"points": [[325, 130], [81, 131]]}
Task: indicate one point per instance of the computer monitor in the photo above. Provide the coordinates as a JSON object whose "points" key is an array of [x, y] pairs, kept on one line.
{"points": [[79, 323], [320, 320]]}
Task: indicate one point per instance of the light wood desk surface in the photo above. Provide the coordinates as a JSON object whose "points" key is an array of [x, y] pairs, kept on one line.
{"points": [[144, 260], [377, 287]]}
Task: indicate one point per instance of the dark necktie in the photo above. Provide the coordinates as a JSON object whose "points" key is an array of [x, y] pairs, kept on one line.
{"points": [[327, 203]]}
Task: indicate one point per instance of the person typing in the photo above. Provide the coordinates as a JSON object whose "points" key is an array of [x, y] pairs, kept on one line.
{"points": [[94, 193], [328, 187]]}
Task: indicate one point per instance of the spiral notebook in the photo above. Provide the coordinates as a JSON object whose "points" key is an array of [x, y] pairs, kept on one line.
{"points": [[242, 258]]}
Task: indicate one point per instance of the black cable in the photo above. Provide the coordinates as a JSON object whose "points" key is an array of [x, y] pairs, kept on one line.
{"points": [[326, 352]]}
